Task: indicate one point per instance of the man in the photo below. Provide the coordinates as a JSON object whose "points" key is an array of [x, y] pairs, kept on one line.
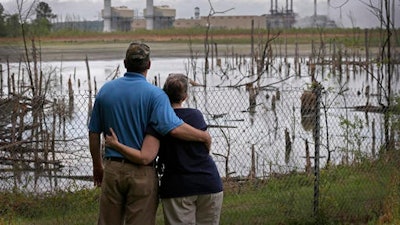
{"points": [[191, 189], [129, 105]]}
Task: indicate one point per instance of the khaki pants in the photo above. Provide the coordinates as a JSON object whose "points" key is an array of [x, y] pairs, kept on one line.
{"points": [[129, 194], [193, 210]]}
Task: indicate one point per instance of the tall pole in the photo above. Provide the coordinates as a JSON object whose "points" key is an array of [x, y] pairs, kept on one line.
{"points": [[291, 5], [393, 16], [272, 7], [107, 16], [287, 6], [315, 14], [316, 133], [315, 8], [149, 15]]}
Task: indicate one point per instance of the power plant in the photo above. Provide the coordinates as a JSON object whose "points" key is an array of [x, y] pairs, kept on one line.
{"points": [[281, 19], [316, 20], [162, 17], [116, 18]]}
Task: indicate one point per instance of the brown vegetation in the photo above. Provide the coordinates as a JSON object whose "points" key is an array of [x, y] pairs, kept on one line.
{"points": [[164, 44]]}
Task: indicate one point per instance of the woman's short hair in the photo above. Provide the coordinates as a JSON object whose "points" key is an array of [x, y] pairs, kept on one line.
{"points": [[176, 87]]}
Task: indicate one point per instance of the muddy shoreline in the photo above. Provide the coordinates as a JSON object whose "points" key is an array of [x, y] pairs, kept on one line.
{"points": [[112, 51]]}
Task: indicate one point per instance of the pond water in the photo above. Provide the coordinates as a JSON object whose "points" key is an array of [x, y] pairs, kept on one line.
{"points": [[245, 138], [231, 72]]}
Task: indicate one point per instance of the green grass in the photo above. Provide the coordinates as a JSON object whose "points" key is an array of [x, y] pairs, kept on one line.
{"points": [[58, 208], [366, 193]]}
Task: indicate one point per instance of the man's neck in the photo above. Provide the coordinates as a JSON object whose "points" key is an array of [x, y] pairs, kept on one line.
{"points": [[144, 73]]}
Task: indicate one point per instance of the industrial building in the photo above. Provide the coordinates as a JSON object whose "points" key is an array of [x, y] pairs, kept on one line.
{"points": [[116, 18], [284, 18], [315, 20], [223, 22], [163, 17]]}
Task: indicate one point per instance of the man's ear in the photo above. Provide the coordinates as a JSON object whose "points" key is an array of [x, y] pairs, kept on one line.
{"points": [[148, 66], [125, 64]]}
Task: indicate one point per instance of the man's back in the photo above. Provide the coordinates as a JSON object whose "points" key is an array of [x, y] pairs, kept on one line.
{"points": [[128, 105]]}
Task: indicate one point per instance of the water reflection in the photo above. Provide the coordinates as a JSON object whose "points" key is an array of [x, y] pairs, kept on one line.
{"points": [[258, 128]]}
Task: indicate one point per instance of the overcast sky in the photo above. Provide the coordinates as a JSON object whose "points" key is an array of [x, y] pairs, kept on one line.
{"points": [[352, 13]]}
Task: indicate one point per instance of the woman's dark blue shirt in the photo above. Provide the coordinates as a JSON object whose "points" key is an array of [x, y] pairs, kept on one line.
{"points": [[188, 167]]}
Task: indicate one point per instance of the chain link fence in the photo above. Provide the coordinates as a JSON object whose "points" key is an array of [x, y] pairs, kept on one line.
{"points": [[260, 135], [44, 143]]}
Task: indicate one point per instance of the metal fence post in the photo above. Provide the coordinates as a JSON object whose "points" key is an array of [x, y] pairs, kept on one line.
{"points": [[1, 80], [317, 93]]}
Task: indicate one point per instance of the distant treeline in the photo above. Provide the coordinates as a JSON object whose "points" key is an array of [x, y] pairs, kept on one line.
{"points": [[38, 20]]}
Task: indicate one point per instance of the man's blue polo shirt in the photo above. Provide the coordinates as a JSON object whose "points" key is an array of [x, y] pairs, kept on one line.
{"points": [[129, 105]]}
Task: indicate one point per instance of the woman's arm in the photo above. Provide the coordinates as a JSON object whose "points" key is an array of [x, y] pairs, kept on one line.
{"points": [[147, 154]]}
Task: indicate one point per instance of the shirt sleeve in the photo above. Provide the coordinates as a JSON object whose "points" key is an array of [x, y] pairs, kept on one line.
{"points": [[151, 131], [94, 122], [163, 118]]}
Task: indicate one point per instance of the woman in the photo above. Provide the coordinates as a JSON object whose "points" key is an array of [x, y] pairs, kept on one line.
{"points": [[190, 189]]}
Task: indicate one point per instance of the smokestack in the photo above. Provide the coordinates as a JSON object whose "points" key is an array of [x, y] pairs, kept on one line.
{"points": [[287, 6], [291, 5], [315, 8], [197, 13], [107, 16], [327, 7], [272, 7], [393, 15], [149, 15], [276, 5]]}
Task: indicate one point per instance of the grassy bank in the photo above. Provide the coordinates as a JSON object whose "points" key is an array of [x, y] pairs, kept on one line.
{"points": [[366, 193], [76, 45], [349, 37]]}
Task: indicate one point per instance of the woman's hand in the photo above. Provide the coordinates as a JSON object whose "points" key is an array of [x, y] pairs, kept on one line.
{"points": [[111, 140]]}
